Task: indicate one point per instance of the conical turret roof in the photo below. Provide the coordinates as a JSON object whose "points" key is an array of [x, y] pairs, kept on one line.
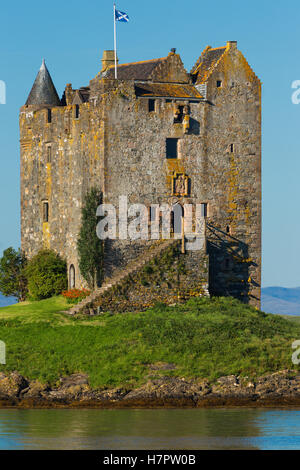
{"points": [[43, 91]]}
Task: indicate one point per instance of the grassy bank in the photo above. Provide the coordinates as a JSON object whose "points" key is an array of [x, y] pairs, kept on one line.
{"points": [[203, 338]]}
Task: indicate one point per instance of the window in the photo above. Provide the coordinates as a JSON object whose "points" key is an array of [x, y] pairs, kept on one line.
{"points": [[49, 154], [219, 83], [45, 211], [151, 106], [204, 209], [77, 111], [231, 148], [228, 230], [49, 117], [152, 213], [177, 214], [72, 277], [178, 114], [172, 148]]}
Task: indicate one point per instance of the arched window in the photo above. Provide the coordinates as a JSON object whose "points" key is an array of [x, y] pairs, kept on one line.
{"points": [[72, 277]]}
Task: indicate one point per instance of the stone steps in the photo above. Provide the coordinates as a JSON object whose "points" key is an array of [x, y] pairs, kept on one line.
{"points": [[120, 276]]}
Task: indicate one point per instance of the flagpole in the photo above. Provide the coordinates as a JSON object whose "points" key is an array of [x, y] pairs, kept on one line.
{"points": [[115, 41]]}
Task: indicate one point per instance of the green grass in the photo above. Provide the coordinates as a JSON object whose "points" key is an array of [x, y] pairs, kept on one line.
{"points": [[204, 338]]}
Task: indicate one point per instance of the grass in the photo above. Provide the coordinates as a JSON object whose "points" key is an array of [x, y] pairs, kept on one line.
{"points": [[204, 338]]}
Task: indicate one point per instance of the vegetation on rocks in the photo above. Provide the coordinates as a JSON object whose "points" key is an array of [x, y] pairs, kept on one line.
{"points": [[202, 339]]}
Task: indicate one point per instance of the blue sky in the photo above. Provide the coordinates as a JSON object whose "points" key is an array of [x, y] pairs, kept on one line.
{"points": [[72, 35]]}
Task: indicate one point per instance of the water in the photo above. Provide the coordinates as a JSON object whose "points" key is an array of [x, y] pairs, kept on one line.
{"points": [[5, 301], [150, 429]]}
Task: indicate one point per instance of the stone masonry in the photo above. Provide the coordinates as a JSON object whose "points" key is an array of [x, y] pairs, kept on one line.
{"points": [[157, 134]]}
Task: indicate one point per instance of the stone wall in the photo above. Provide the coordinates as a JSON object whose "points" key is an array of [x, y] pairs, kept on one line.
{"points": [[233, 178], [172, 278]]}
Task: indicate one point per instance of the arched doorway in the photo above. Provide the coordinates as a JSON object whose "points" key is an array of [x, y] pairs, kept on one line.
{"points": [[72, 277], [177, 214]]}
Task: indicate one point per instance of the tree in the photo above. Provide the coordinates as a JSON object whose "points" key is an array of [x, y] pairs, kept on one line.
{"points": [[89, 246], [46, 275], [12, 274]]}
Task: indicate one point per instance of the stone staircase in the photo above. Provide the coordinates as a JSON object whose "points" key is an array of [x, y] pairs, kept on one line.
{"points": [[123, 274]]}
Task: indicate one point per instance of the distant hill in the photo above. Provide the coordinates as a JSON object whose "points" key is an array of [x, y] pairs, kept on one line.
{"points": [[5, 301], [281, 300]]}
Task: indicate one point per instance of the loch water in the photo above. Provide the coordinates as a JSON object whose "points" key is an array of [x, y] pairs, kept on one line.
{"points": [[150, 429]]}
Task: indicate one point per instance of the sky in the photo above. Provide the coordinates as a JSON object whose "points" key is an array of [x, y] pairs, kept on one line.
{"points": [[72, 35]]}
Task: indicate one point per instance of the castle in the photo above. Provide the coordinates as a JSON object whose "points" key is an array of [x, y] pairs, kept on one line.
{"points": [[155, 134]]}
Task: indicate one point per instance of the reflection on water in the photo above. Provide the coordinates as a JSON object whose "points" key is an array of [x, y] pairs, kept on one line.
{"points": [[150, 429]]}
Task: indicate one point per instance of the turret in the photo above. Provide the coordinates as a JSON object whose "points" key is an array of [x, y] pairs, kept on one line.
{"points": [[43, 92]]}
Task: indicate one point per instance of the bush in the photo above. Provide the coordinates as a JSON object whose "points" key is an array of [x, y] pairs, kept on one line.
{"points": [[46, 274], [12, 277], [74, 296]]}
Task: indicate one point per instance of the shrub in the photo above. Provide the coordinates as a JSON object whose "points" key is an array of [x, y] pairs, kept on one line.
{"points": [[74, 296], [46, 275], [12, 276]]}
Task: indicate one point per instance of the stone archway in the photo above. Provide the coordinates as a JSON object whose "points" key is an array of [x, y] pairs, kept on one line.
{"points": [[72, 279]]}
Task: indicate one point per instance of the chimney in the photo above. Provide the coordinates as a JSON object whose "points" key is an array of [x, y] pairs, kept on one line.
{"points": [[231, 44], [108, 59]]}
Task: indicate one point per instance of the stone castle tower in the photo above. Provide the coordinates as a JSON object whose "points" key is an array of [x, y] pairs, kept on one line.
{"points": [[158, 135]]}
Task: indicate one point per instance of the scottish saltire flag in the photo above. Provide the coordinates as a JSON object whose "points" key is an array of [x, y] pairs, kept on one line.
{"points": [[121, 16]]}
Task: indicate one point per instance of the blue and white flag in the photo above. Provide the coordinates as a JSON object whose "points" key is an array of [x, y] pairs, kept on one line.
{"points": [[121, 16]]}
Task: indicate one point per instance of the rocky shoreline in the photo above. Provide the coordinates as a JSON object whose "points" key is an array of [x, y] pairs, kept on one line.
{"points": [[278, 389]]}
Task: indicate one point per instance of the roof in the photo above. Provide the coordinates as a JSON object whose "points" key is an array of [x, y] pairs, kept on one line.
{"points": [[134, 70], [84, 93], [167, 90], [206, 63], [43, 91]]}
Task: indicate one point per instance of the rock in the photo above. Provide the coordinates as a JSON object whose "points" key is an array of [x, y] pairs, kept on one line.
{"points": [[35, 390], [228, 380], [12, 384], [73, 380], [68, 394], [281, 387], [73, 387], [170, 388]]}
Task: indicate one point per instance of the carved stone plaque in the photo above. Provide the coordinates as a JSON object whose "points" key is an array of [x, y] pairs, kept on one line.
{"points": [[180, 184]]}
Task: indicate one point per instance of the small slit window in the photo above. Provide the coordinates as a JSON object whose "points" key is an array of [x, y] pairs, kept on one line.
{"points": [[231, 148], [49, 116], [151, 105], [172, 148], [45, 211], [204, 209], [77, 111], [219, 83], [49, 154]]}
